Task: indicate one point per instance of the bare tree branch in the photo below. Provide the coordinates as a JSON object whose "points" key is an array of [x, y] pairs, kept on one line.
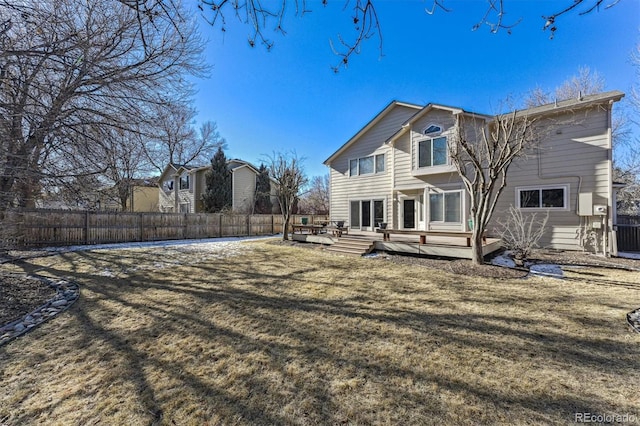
{"points": [[69, 67]]}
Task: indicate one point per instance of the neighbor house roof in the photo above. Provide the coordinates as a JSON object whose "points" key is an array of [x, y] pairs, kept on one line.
{"points": [[242, 163], [176, 169], [369, 125]]}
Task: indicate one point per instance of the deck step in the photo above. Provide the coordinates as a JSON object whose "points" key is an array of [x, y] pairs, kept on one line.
{"points": [[352, 246]]}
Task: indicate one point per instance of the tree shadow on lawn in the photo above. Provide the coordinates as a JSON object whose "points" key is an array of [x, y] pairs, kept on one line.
{"points": [[299, 351]]}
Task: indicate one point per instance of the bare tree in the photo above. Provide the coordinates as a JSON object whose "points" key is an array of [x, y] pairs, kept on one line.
{"points": [[627, 166], [316, 199], [289, 178], [124, 158], [265, 16], [496, 13], [172, 138], [71, 66], [585, 82], [482, 155]]}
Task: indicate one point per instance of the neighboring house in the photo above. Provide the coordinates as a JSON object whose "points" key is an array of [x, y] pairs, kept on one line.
{"points": [[143, 197], [181, 187], [397, 170]]}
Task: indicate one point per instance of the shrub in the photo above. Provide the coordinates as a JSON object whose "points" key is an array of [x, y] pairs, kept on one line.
{"points": [[521, 233]]}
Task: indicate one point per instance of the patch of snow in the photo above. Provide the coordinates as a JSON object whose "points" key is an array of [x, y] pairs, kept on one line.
{"points": [[535, 269], [173, 252], [503, 259], [151, 244], [546, 270], [628, 255], [106, 273]]}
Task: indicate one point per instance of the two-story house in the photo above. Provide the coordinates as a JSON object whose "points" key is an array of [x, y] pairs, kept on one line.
{"points": [[181, 187], [397, 169]]}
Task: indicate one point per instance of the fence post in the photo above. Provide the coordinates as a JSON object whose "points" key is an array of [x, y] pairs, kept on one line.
{"points": [[220, 225], [248, 220], [86, 226], [184, 227], [141, 215]]}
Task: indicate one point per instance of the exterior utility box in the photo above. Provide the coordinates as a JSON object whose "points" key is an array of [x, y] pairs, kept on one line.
{"points": [[585, 204]]}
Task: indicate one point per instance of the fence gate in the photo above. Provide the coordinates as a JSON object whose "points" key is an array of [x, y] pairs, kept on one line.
{"points": [[628, 233]]}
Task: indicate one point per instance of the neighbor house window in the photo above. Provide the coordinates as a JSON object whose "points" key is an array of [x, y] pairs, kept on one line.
{"points": [[168, 185], [366, 165], [543, 198], [432, 152], [446, 207], [184, 181]]}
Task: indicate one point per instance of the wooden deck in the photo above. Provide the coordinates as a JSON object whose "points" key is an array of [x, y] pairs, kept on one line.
{"points": [[410, 244]]}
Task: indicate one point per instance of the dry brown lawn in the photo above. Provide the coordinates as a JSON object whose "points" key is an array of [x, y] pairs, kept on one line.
{"points": [[267, 334]]}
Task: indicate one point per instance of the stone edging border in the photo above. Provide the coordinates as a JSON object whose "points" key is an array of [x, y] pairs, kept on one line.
{"points": [[66, 294], [633, 318]]}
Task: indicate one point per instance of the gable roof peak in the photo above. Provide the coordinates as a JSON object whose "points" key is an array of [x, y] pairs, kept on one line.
{"points": [[390, 106]]}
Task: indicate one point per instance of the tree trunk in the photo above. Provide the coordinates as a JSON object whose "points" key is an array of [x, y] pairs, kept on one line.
{"points": [[285, 230], [476, 246]]}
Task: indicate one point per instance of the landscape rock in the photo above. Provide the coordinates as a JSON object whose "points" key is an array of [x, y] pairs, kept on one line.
{"points": [[66, 294]]}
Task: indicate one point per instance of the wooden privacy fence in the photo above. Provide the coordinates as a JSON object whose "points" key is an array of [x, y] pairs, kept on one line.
{"points": [[628, 234], [67, 227]]}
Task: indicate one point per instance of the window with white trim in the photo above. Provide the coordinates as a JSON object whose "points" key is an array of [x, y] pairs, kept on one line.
{"points": [[432, 152], [546, 197], [367, 165], [446, 207], [184, 181]]}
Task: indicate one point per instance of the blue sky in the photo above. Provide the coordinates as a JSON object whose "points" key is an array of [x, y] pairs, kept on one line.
{"points": [[290, 99]]}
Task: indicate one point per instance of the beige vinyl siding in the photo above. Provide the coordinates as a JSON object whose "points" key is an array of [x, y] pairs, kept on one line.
{"points": [[406, 150], [186, 196], [575, 153], [371, 186], [405, 157], [144, 199], [166, 200], [244, 188]]}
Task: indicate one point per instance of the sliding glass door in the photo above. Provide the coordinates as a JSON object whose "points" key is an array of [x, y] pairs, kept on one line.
{"points": [[366, 214]]}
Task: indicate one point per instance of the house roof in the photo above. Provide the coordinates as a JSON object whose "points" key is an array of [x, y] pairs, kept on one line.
{"points": [[558, 106], [242, 163], [429, 107], [149, 181], [168, 169], [369, 125], [568, 104]]}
